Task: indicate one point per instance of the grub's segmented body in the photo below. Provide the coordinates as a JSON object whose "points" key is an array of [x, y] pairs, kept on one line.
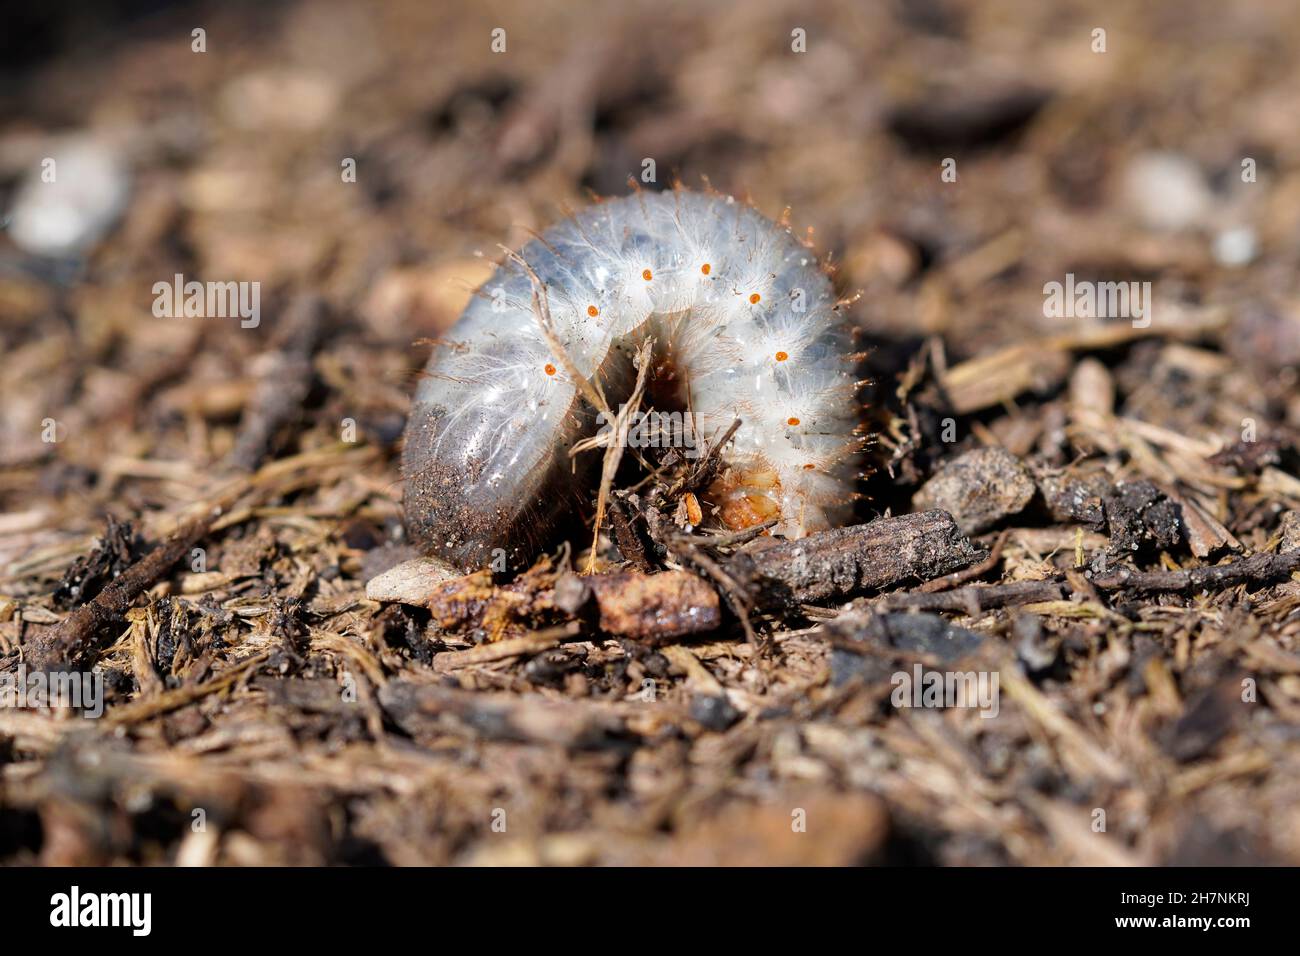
{"points": [[739, 311]]}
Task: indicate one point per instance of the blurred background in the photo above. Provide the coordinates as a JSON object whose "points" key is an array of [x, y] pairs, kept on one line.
{"points": [[227, 165]]}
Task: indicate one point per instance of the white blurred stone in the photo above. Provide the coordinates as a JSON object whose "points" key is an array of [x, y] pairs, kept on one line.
{"points": [[1235, 247], [1167, 191], [70, 214]]}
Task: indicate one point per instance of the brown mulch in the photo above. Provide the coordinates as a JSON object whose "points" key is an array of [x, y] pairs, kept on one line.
{"points": [[1107, 516]]}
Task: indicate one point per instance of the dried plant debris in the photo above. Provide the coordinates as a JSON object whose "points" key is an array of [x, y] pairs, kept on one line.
{"points": [[118, 549], [1061, 627], [651, 607], [870, 646], [979, 489], [1140, 517]]}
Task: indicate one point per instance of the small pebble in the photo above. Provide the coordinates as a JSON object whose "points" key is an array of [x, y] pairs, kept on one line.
{"points": [[714, 711], [1235, 247], [71, 213], [1290, 529], [411, 582], [1166, 191]]}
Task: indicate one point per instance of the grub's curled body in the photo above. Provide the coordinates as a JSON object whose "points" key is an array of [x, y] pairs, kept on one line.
{"points": [[739, 312]]}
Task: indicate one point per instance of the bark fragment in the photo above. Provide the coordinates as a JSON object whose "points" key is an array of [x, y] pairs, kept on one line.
{"points": [[835, 565]]}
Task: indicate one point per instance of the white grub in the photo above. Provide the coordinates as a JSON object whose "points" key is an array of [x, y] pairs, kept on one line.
{"points": [[741, 307]]}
